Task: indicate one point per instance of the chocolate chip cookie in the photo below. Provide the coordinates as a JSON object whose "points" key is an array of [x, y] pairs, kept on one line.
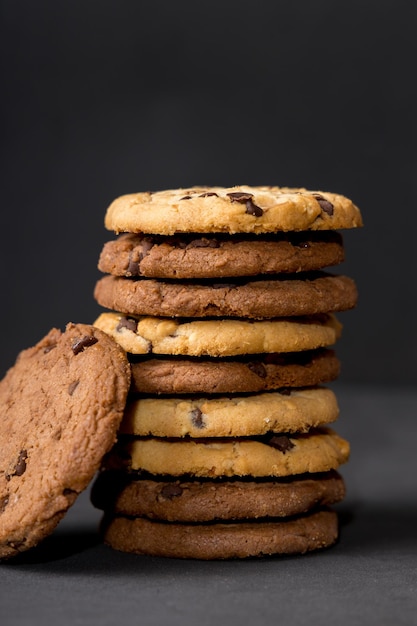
{"points": [[296, 410], [240, 209], [60, 406], [224, 540], [319, 450], [297, 295], [219, 338], [185, 500], [219, 256], [255, 373]]}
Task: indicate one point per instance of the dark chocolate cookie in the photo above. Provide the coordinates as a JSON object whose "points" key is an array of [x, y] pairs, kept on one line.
{"points": [[254, 374], [204, 501], [209, 256], [258, 299], [222, 540]]}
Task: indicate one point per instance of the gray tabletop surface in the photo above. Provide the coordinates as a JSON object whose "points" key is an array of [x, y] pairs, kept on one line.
{"points": [[369, 577]]}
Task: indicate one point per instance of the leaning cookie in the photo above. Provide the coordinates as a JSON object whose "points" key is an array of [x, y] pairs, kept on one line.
{"points": [[204, 256], [186, 500], [223, 337], [257, 373], [240, 209], [60, 406], [233, 540], [297, 295]]}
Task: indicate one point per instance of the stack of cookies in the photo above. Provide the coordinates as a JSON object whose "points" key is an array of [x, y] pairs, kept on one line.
{"points": [[222, 300]]}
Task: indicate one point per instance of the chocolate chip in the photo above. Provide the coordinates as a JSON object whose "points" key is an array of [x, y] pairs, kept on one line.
{"points": [[149, 347], [3, 503], [20, 467], [73, 386], [186, 198], [171, 491], [246, 198], [197, 419], [203, 243], [207, 194], [325, 205], [253, 209], [80, 344], [258, 369], [239, 196], [133, 267], [145, 246], [127, 322], [281, 443]]}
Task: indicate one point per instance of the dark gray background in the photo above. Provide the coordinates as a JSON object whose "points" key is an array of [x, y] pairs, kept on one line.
{"points": [[102, 98]]}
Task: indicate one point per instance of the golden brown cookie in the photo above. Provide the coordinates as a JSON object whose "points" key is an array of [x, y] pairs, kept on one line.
{"points": [[240, 209], [236, 416], [319, 450], [205, 256], [60, 409], [209, 500], [223, 337], [294, 535], [266, 372], [260, 299]]}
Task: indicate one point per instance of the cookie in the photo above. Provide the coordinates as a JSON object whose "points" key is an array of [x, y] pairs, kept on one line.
{"points": [[192, 256], [223, 337], [236, 416], [175, 375], [260, 299], [61, 406], [210, 500], [233, 540], [240, 209], [319, 450]]}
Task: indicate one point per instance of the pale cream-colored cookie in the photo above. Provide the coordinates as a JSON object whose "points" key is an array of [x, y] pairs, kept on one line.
{"points": [[179, 500], [295, 535], [320, 450], [237, 209], [236, 416], [223, 337]]}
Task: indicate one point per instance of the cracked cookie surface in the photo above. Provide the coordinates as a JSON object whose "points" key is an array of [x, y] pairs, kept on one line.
{"points": [[320, 450], [295, 535], [204, 256], [237, 416], [60, 407], [223, 337], [236, 209], [308, 294], [185, 500]]}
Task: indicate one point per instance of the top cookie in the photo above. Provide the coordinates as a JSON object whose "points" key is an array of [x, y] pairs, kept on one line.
{"points": [[60, 409], [240, 209]]}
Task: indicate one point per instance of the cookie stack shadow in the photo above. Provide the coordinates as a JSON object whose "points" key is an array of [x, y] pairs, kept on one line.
{"points": [[227, 447]]}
